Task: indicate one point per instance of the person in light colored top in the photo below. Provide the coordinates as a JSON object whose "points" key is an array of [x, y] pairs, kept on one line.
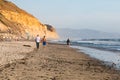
{"points": [[37, 40]]}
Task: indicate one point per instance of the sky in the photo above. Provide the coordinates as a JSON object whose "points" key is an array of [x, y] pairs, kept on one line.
{"points": [[103, 15]]}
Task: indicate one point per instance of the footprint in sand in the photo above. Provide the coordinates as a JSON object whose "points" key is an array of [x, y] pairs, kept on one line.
{"points": [[28, 78]]}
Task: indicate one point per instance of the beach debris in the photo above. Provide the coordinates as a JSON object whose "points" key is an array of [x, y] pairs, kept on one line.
{"points": [[27, 45]]}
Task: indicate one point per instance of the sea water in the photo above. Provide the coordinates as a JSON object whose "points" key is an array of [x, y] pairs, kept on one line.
{"points": [[107, 51]]}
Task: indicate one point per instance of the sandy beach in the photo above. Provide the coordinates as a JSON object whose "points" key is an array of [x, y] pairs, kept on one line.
{"points": [[54, 62]]}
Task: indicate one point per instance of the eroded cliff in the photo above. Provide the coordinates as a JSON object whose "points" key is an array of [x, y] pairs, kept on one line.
{"points": [[16, 23]]}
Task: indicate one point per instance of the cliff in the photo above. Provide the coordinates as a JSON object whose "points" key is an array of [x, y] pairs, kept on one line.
{"points": [[17, 23]]}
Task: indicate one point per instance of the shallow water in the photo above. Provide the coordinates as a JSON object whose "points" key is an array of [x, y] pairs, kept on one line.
{"points": [[106, 56], [106, 51], [106, 45]]}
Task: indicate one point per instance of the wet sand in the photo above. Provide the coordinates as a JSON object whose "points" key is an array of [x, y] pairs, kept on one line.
{"points": [[54, 62]]}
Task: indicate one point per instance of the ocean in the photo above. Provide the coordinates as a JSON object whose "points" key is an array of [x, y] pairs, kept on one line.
{"points": [[106, 50]]}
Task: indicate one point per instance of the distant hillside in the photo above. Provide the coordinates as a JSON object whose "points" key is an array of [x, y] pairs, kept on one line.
{"points": [[85, 34], [17, 23]]}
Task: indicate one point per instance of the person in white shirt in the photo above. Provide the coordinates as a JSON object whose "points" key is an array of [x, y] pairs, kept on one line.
{"points": [[37, 40]]}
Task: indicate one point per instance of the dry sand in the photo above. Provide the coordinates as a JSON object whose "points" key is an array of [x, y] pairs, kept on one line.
{"points": [[54, 62], [10, 51]]}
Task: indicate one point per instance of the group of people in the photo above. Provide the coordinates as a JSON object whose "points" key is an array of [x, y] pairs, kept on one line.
{"points": [[38, 40], [43, 40]]}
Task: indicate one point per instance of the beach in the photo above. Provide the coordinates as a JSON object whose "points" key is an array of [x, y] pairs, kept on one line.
{"points": [[22, 61]]}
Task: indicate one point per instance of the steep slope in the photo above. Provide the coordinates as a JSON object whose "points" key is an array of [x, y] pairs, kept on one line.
{"points": [[20, 24]]}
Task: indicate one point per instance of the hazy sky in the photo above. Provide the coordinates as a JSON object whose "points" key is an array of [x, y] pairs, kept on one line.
{"points": [[101, 15]]}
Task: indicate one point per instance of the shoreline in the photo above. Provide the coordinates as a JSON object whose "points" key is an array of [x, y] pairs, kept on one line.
{"points": [[57, 62], [109, 58]]}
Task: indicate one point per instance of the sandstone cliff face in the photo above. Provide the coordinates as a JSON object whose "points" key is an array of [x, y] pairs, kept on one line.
{"points": [[16, 23]]}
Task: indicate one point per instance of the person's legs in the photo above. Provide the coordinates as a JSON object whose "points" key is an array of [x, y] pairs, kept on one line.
{"points": [[37, 45], [44, 44]]}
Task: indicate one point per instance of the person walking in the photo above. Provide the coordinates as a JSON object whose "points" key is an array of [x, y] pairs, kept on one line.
{"points": [[68, 41], [44, 41], [37, 40]]}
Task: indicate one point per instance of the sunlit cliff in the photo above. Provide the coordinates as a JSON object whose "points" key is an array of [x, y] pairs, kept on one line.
{"points": [[17, 23]]}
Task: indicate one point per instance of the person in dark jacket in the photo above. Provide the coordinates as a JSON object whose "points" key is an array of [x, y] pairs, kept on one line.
{"points": [[68, 41]]}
